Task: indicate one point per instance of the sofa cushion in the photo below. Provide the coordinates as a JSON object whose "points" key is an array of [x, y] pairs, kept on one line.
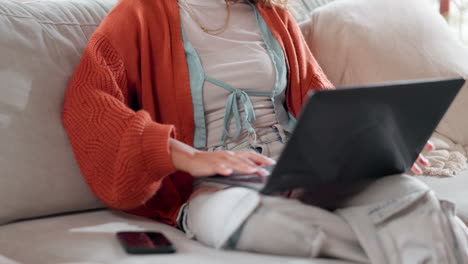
{"points": [[90, 238], [454, 189], [362, 41], [40, 45]]}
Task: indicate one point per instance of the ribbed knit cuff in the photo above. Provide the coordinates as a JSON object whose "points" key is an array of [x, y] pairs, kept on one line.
{"points": [[156, 151]]}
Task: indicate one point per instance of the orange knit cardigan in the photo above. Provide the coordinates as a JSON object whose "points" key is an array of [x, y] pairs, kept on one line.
{"points": [[130, 93]]}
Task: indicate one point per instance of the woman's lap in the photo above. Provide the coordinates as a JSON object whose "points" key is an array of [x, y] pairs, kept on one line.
{"points": [[269, 224], [275, 225], [289, 227]]}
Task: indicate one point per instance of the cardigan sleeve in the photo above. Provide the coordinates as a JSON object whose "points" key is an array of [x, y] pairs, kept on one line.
{"points": [[123, 155]]}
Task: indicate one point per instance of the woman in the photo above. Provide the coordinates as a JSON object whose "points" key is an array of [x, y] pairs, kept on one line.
{"points": [[170, 91]]}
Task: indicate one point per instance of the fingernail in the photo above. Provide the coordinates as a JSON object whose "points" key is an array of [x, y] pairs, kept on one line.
{"points": [[264, 172], [272, 161], [417, 170], [425, 162], [429, 145]]}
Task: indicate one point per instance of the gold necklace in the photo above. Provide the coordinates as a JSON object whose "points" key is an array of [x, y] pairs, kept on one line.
{"points": [[207, 30]]}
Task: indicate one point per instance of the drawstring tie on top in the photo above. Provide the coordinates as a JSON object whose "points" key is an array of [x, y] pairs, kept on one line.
{"points": [[232, 110]]}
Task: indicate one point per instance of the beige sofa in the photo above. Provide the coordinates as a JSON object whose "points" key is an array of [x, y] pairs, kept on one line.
{"points": [[47, 214]]}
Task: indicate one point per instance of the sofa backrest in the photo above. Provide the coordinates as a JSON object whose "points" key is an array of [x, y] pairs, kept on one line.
{"points": [[40, 45], [301, 9]]}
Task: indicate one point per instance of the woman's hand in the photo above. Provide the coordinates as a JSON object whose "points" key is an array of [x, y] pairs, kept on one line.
{"points": [[422, 161], [205, 164]]}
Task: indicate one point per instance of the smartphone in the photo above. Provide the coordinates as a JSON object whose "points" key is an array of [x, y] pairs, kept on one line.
{"points": [[145, 243]]}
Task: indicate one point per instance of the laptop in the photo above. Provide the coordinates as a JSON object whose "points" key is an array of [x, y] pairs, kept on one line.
{"points": [[356, 134]]}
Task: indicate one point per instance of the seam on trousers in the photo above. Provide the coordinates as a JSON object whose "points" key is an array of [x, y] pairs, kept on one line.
{"points": [[383, 211], [235, 237]]}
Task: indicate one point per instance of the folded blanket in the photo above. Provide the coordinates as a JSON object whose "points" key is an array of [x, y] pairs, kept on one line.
{"points": [[448, 159]]}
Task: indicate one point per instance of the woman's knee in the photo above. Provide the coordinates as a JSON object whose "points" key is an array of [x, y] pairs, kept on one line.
{"points": [[212, 218], [386, 188]]}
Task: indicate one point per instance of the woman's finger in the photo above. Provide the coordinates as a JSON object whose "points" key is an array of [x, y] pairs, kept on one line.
{"points": [[258, 158], [423, 161], [239, 165], [416, 169], [223, 170], [243, 160], [429, 145], [242, 165]]}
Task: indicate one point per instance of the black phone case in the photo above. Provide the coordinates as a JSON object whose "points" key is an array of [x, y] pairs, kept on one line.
{"points": [[141, 249]]}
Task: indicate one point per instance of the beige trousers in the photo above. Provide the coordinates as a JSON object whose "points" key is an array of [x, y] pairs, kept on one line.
{"points": [[397, 219]]}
